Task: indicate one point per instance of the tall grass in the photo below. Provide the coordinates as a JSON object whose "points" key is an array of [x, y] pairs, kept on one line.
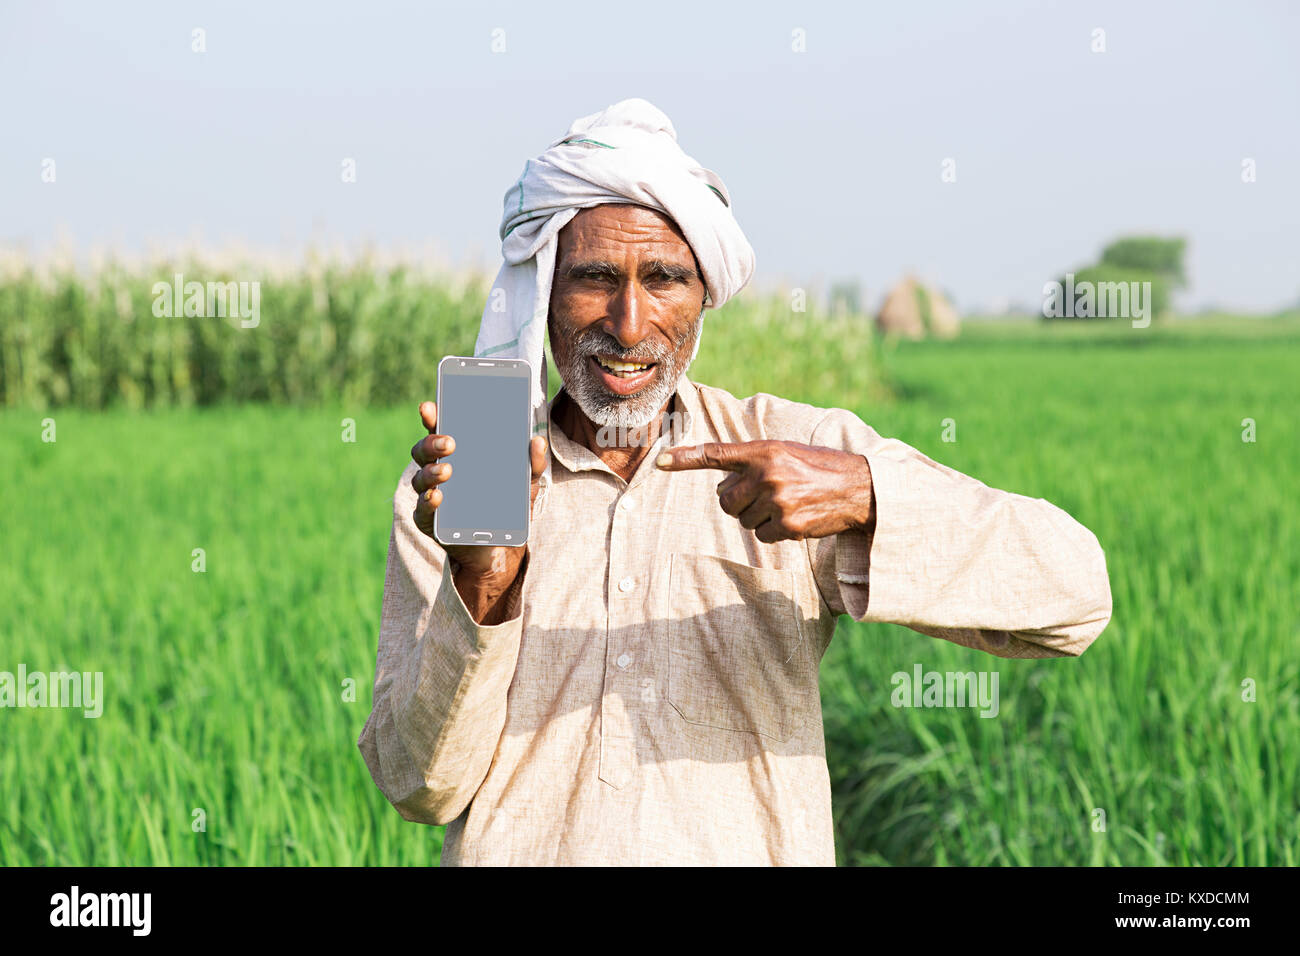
{"points": [[360, 332], [331, 331]]}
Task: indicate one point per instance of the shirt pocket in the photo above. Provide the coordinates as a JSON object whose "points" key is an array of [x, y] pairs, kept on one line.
{"points": [[738, 657]]}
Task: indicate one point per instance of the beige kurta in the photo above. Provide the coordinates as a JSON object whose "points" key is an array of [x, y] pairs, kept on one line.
{"points": [[653, 698]]}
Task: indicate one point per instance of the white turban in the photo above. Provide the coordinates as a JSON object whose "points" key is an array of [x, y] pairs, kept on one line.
{"points": [[627, 153]]}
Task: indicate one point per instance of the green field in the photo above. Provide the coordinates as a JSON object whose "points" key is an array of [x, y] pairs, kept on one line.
{"points": [[224, 690]]}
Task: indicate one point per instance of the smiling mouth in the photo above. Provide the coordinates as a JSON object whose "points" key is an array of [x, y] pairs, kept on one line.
{"points": [[622, 369], [620, 377]]}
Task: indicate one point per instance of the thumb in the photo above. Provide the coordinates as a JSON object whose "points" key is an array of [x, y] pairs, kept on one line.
{"points": [[537, 455], [429, 416]]}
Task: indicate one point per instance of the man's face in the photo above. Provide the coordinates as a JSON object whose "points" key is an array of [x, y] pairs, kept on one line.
{"points": [[627, 292]]}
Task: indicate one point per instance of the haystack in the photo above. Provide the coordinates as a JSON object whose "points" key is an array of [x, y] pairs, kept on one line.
{"points": [[914, 310]]}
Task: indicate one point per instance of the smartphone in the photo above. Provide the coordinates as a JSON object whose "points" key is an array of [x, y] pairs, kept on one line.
{"points": [[485, 405]]}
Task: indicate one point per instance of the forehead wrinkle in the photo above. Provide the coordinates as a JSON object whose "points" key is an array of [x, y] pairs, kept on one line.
{"points": [[649, 249], [631, 224], [625, 238]]}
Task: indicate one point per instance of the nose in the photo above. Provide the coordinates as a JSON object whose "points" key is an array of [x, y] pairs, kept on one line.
{"points": [[628, 319]]}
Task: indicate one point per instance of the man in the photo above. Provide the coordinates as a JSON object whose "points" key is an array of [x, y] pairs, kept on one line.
{"points": [[639, 684]]}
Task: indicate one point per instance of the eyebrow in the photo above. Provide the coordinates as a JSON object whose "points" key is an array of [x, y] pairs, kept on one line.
{"points": [[596, 268]]}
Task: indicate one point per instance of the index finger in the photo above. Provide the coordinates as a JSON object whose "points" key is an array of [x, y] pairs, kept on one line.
{"points": [[728, 456]]}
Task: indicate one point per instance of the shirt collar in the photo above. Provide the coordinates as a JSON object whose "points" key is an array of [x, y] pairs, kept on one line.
{"points": [[684, 413]]}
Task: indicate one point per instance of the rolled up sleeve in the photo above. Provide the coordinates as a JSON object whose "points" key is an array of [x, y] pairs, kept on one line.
{"points": [[441, 679], [955, 559]]}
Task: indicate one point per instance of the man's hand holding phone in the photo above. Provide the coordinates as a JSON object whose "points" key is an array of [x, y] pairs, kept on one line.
{"points": [[482, 575]]}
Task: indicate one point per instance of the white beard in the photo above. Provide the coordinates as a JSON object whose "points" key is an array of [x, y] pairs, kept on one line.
{"points": [[632, 411]]}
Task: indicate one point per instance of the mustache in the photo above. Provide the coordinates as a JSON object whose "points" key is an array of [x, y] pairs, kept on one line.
{"points": [[599, 342]]}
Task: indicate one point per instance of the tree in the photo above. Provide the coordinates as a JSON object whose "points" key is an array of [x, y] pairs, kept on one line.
{"points": [[1130, 261], [1154, 254]]}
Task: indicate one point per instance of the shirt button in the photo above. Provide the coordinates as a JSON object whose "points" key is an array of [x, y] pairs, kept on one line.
{"points": [[625, 585], [624, 660], [626, 503]]}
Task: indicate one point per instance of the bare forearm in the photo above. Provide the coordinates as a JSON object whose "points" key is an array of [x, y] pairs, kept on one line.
{"points": [[487, 591], [862, 499]]}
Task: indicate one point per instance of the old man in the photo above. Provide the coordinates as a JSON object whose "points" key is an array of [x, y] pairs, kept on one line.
{"points": [[639, 683]]}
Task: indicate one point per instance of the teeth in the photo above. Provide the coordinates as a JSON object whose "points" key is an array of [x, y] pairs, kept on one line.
{"points": [[614, 366]]}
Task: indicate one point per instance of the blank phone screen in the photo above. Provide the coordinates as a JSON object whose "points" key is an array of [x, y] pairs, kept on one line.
{"points": [[487, 412]]}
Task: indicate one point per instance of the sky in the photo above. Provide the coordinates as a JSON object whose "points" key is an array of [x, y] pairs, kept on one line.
{"points": [[829, 123]]}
